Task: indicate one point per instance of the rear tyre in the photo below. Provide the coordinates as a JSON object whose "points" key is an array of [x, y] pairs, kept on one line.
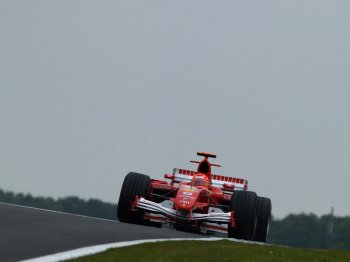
{"points": [[263, 211], [134, 184], [243, 204]]}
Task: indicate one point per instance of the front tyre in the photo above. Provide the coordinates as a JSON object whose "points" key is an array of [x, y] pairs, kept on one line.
{"points": [[134, 184], [263, 211], [243, 205]]}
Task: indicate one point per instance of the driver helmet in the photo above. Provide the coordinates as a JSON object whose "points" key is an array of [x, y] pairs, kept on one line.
{"points": [[200, 180]]}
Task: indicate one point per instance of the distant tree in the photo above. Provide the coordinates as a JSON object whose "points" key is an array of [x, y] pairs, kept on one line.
{"points": [[308, 230], [341, 236]]}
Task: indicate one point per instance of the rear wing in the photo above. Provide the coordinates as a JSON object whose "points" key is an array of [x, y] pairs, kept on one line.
{"points": [[182, 175]]}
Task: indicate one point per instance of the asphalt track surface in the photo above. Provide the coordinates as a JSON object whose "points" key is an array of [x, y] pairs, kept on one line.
{"points": [[28, 233]]}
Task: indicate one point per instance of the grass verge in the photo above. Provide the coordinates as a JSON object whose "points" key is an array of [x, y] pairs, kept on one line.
{"points": [[222, 250]]}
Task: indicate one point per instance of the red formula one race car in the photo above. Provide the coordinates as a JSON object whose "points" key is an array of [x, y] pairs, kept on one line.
{"points": [[196, 200]]}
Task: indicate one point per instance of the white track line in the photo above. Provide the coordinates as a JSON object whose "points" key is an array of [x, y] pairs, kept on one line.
{"points": [[59, 212], [85, 251]]}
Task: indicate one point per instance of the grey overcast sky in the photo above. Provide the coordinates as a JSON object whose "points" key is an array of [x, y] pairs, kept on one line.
{"points": [[90, 90]]}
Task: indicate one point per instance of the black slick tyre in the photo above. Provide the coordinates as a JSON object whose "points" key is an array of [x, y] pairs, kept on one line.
{"points": [[134, 184], [243, 204], [263, 211]]}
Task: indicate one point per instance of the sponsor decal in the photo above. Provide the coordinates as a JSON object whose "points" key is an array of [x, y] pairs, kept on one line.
{"points": [[189, 189], [164, 187], [220, 214], [185, 201]]}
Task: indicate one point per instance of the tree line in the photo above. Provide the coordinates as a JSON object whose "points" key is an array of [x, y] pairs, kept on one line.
{"points": [[309, 230], [297, 230], [71, 204]]}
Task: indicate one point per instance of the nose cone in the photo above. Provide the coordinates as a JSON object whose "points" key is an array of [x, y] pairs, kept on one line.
{"points": [[186, 198]]}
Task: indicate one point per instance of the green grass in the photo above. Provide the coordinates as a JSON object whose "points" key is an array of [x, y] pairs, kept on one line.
{"points": [[222, 250]]}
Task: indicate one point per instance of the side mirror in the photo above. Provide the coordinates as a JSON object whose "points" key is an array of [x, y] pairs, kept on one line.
{"points": [[229, 187], [168, 176]]}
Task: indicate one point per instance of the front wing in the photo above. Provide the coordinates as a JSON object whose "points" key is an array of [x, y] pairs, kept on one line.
{"points": [[216, 217]]}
